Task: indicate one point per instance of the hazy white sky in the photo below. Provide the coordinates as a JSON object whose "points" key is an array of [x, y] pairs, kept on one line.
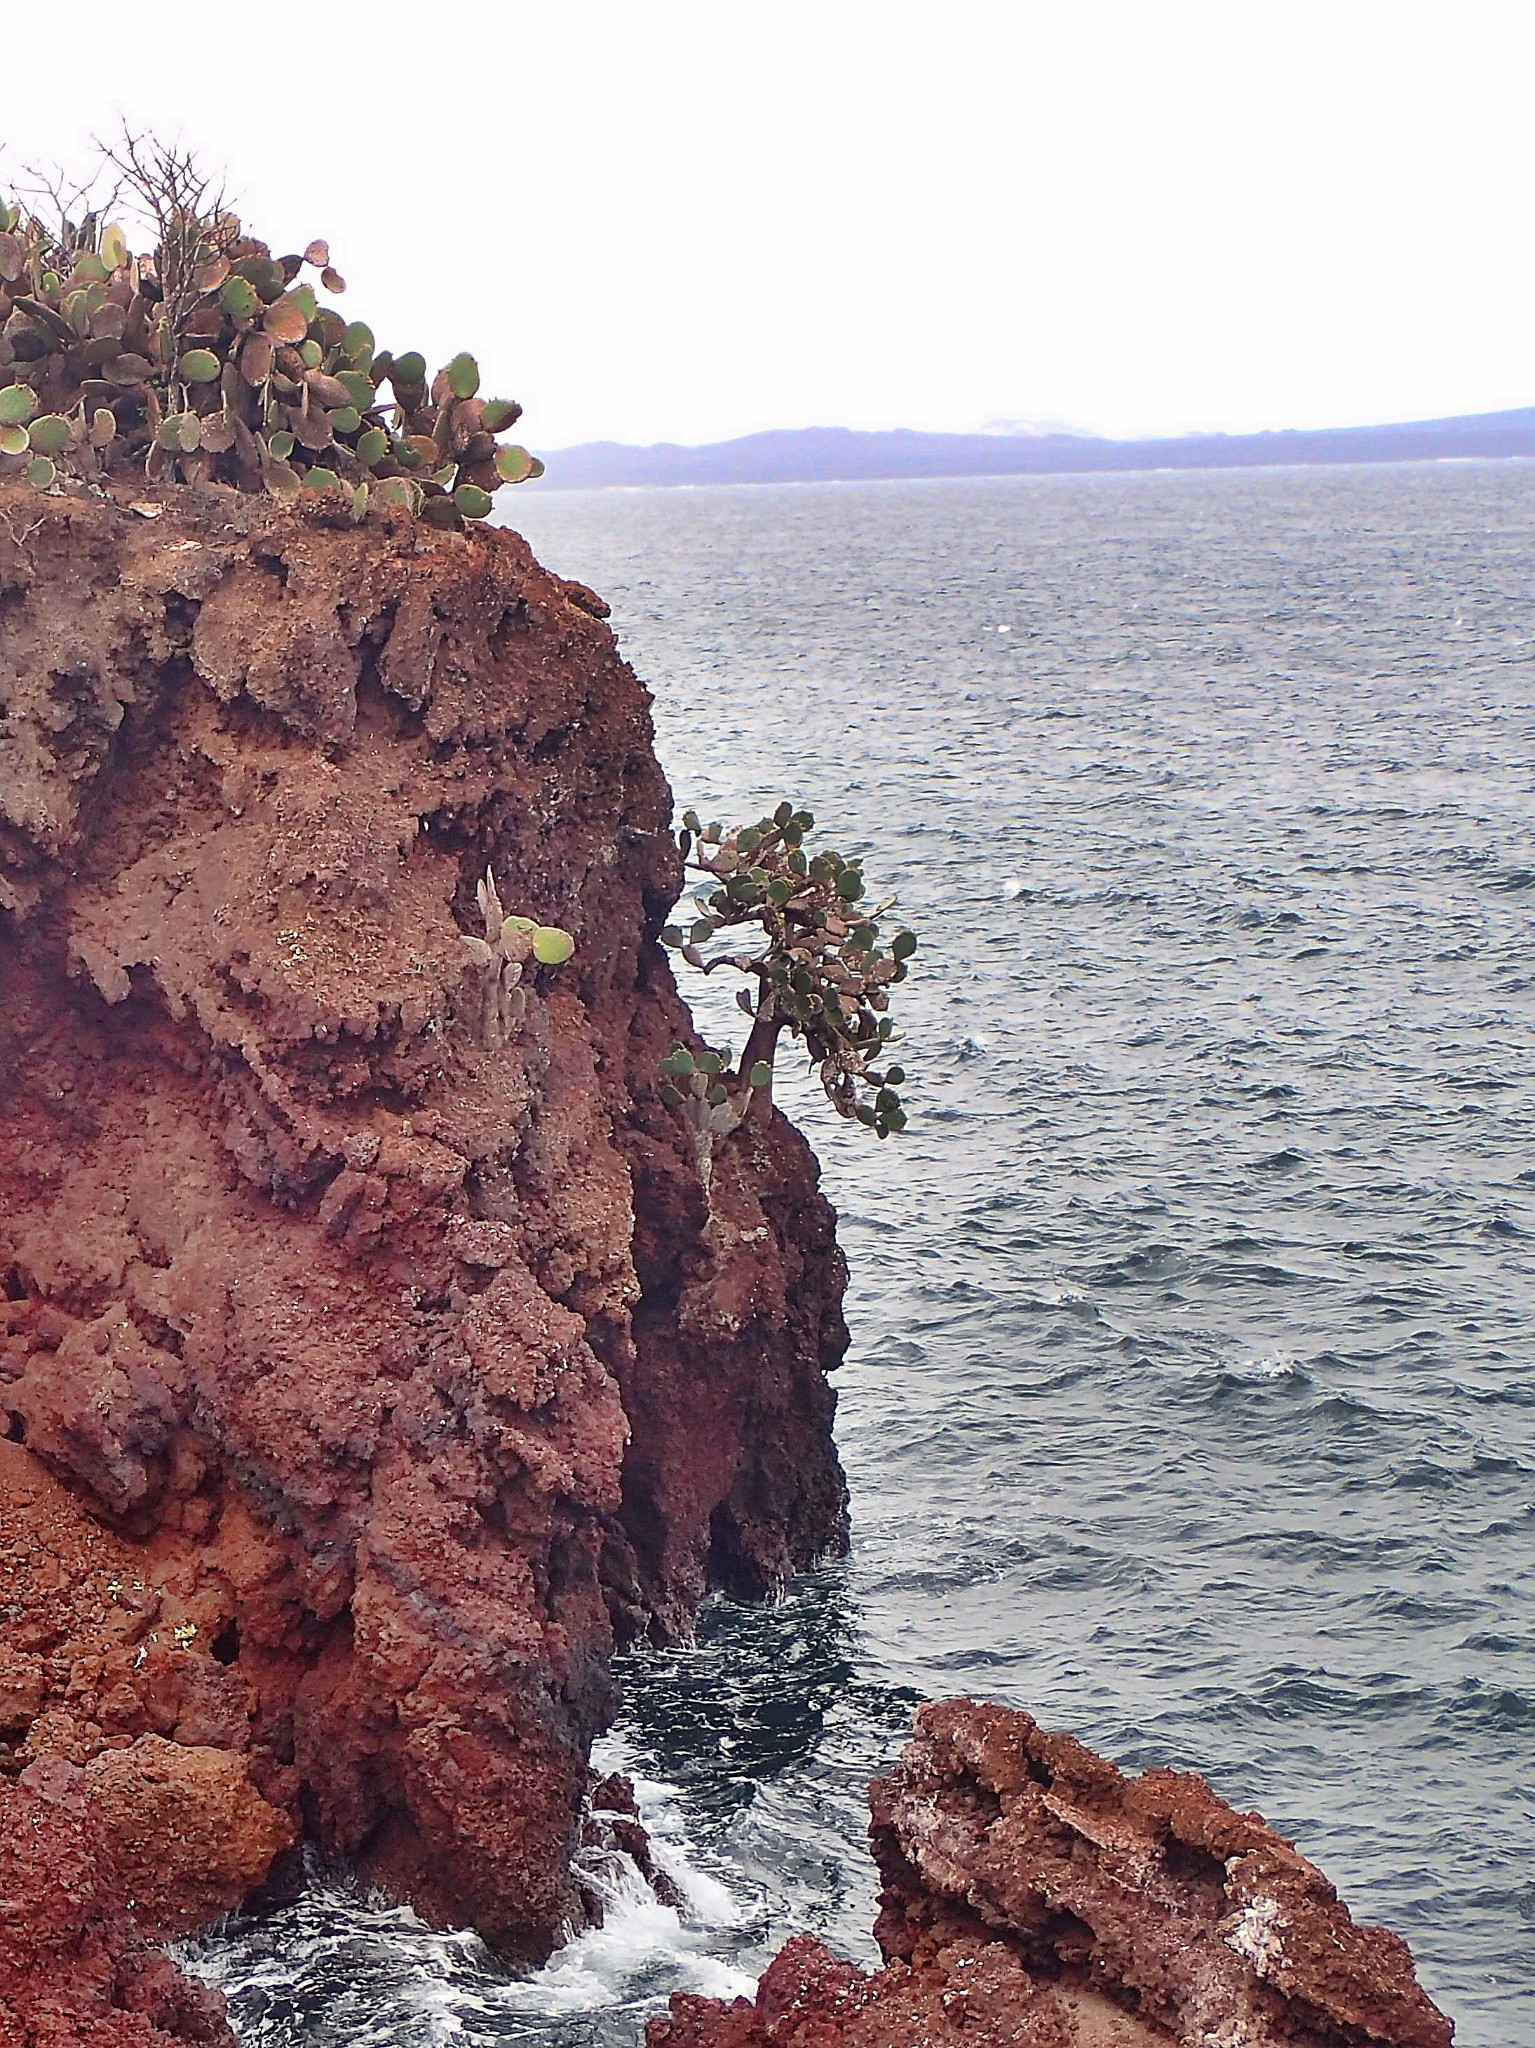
{"points": [[686, 221]]}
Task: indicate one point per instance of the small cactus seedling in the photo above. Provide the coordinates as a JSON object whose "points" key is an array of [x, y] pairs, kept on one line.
{"points": [[511, 947], [820, 967], [713, 1100]]}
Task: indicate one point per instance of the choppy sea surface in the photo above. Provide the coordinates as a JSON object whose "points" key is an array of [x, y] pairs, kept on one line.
{"points": [[1191, 1402]]}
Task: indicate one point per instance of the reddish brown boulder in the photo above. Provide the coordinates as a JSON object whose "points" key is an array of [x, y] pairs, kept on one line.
{"points": [[74, 1970], [401, 1374], [187, 1831], [1034, 1895]]}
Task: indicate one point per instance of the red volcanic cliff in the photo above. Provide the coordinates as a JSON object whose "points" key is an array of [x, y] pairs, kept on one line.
{"points": [[1034, 1897], [364, 1382]]}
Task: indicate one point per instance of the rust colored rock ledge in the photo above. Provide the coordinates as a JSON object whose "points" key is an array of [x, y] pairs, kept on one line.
{"points": [[364, 1384], [1036, 1897]]}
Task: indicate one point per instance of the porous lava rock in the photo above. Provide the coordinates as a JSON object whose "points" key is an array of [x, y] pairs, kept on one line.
{"points": [[364, 1383], [75, 1971], [1036, 1897], [187, 1831]]}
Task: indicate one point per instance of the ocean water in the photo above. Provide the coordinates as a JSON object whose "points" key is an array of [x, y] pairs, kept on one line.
{"points": [[1191, 1402]]}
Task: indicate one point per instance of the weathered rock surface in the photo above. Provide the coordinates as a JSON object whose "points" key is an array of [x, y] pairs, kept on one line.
{"points": [[1034, 1895], [186, 1830], [365, 1383], [74, 1968]]}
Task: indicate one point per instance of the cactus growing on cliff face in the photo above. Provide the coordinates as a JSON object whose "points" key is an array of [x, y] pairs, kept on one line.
{"points": [[207, 360], [511, 946], [820, 967]]}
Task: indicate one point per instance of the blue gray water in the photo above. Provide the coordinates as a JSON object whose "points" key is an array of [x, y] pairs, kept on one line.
{"points": [[1191, 1402]]}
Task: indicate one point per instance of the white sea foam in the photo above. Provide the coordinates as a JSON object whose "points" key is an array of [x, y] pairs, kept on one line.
{"points": [[640, 1936], [375, 1974], [1061, 1294], [1275, 1365]]}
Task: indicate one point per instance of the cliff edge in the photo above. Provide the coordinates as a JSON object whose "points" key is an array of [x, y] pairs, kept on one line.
{"points": [[362, 1383]]}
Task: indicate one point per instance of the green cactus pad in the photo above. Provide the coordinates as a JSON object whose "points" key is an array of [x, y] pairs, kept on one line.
{"points": [[240, 299], [400, 492], [551, 946], [463, 376], [472, 501], [513, 465], [18, 405], [51, 434], [199, 366], [41, 473]]}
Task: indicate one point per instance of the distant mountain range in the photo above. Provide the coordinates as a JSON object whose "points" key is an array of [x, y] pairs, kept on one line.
{"points": [[788, 455]]}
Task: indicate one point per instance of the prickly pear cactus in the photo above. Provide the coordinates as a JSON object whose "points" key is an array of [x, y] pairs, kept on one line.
{"points": [[218, 363], [820, 968], [512, 945]]}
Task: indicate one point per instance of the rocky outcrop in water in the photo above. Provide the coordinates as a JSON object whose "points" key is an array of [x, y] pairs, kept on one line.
{"points": [[1035, 1897], [364, 1382]]}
